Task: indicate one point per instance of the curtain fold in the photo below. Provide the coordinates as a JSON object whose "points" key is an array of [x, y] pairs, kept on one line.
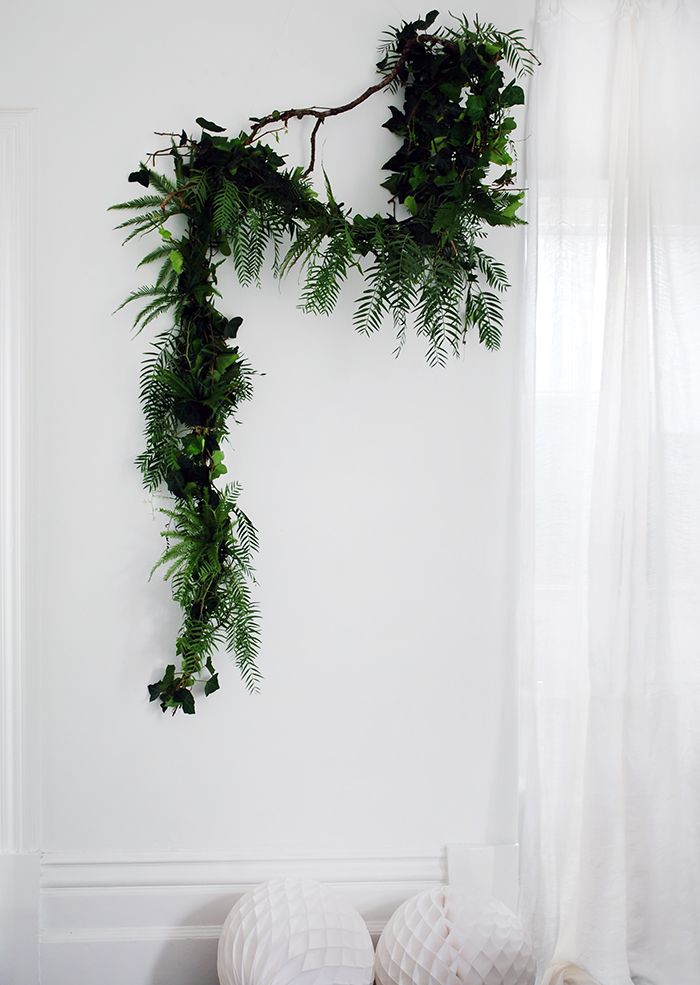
{"points": [[610, 637]]}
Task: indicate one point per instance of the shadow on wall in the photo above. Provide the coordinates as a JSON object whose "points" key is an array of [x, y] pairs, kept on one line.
{"points": [[192, 957]]}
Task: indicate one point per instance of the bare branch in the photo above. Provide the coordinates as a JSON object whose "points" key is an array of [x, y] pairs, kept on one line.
{"points": [[322, 114]]}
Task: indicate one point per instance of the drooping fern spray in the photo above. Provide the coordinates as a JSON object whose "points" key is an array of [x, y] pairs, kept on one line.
{"points": [[191, 385]]}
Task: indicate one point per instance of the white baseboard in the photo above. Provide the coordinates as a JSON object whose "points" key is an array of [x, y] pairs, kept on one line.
{"points": [[19, 919], [130, 962], [155, 920]]}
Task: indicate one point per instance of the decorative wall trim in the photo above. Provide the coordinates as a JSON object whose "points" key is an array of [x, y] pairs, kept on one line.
{"points": [[78, 871], [120, 900], [160, 935], [130, 935], [19, 863], [17, 797]]}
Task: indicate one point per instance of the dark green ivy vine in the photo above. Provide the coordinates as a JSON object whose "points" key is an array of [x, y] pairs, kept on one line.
{"points": [[232, 201]]}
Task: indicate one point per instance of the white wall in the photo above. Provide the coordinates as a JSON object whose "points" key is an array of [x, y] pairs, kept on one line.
{"points": [[380, 488]]}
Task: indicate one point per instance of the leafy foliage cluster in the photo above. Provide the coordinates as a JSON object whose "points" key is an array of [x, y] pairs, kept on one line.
{"points": [[239, 203]]}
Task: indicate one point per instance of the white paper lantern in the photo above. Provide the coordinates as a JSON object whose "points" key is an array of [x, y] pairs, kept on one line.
{"points": [[294, 932], [445, 937]]}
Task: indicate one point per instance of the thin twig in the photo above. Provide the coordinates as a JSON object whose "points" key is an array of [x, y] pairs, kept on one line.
{"points": [[312, 159]]}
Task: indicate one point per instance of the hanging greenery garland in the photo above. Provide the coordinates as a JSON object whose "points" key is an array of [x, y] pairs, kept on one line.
{"points": [[241, 204]]}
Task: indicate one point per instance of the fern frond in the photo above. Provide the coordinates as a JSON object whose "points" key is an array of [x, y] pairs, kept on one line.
{"points": [[152, 311], [144, 202], [161, 181], [485, 312], [492, 270], [150, 220], [226, 206], [373, 303], [325, 273], [157, 254], [147, 291]]}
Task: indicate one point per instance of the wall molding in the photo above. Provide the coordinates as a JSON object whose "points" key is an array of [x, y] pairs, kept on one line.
{"points": [[157, 935], [74, 871], [17, 178], [120, 901], [131, 935], [19, 868]]}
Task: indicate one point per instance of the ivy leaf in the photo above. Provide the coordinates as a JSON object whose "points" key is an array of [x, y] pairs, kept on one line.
{"points": [[184, 697], [194, 444], [232, 326], [212, 684], [475, 107], [500, 155], [418, 177], [396, 162], [516, 200], [142, 177], [451, 90], [208, 125], [411, 204], [396, 121], [228, 359], [176, 261], [512, 95], [426, 21], [218, 467]]}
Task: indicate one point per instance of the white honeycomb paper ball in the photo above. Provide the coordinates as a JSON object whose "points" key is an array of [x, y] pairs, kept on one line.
{"points": [[444, 937], [294, 932]]}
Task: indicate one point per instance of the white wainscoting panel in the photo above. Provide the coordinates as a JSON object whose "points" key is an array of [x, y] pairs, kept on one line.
{"points": [[156, 920]]}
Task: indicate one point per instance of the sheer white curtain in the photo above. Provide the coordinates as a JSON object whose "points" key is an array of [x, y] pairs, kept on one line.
{"points": [[611, 661]]}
